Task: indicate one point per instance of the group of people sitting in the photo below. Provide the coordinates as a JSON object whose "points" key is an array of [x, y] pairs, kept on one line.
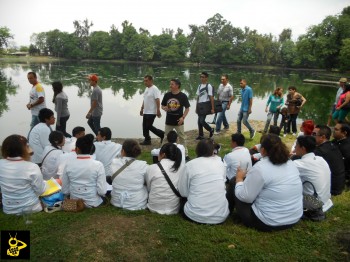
{"points": [[266, 193]]}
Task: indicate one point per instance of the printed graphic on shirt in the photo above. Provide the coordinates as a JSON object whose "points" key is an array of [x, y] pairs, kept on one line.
{"points": [[39, 88], [15, 245], [173, 104]]}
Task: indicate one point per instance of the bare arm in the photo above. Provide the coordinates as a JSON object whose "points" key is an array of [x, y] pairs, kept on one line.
{"points": [[159, 114]]}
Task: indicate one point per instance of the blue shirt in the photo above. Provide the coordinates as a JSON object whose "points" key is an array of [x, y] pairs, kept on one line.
{"points": [[246, 94]]}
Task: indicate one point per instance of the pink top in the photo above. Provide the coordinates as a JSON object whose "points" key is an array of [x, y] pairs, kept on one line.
{"points": [[341, 98]]}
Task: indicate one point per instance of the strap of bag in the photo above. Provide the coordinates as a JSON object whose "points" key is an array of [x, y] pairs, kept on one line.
{"points": [[176, 192], [42, 162], [122, 168], [315, 193]]}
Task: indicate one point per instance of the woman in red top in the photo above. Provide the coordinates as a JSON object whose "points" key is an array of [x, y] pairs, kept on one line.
{"points": [[343, 105]]}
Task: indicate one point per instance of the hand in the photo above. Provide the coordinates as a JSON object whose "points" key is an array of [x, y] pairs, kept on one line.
{"points": [[159, 114], [240, 175], [180, 121], [141, 112], [29, 106], [212, 111], [88, 115], [249, 111], [227, 107], [266, 109]]}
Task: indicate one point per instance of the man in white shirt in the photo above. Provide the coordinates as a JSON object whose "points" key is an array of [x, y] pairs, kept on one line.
{"points": [[314, 169], [36, 98], [149, 110], [106, 150], [38, 137], [238, 158], [69, 145]]}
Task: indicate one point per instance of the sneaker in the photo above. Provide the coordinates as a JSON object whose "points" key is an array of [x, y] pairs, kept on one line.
{"points": [[217, 133], [252, 134], [294, 134], [226, 128], [284, 135], [145, 143], [199, 138], [211, 133]]}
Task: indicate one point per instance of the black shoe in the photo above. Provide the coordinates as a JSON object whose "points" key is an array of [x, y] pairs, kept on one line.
{"points": [[199, 138], [211, 133], [187, 158], [161, 139], [146, 143]]}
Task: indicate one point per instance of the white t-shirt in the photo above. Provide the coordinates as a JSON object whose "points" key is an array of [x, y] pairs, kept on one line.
{"points": [[69, 144], [239, 157], [149, 100], [203, 95], [155, 151], [49, 167], [105, 152], [34, 94], [38, 140]]}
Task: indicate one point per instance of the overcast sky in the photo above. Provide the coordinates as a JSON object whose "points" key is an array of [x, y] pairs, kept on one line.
{"points": [[25, 17]]}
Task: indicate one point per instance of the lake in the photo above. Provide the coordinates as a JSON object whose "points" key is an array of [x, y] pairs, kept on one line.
{"points": [[123, 88]]}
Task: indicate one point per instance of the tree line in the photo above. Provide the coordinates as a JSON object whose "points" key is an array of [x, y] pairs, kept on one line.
{"points": [[326, 45]]}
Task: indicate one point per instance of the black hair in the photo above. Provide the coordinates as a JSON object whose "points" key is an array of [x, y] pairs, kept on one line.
{"points": [[32, 73], [345, 128], [172, 136], [173, 153], [86, 144], [106, 132], [324, 131], [149, 77], [15, 146], [77, 130], [45, 114], [56, 138], [131, 148], [238, 138], [346, 88], [225, 75], [57, 88], [308, 142], [292, 88], [205, 148], [205, 74], [176, 81], [274, 130], [276, 150]]}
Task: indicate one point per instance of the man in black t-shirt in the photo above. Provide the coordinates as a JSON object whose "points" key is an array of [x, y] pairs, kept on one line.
{"points": [[174, 103]]}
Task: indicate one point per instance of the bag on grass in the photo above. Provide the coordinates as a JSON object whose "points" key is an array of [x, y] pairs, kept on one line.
{"points": [[73, 205], [312, 206]]}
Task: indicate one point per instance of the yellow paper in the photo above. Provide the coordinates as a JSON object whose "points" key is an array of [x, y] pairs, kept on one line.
{"points": [[51, 187]]}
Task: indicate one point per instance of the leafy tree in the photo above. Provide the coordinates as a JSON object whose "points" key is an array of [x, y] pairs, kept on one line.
{"points": [[5, 36], [288, 53], [115, 42], [286, 35], [128, 34], [344, 57], [82, 31], [100, 45]]}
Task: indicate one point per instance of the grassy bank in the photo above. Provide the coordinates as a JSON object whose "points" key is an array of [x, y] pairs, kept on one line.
{"points": [[113, 234]]}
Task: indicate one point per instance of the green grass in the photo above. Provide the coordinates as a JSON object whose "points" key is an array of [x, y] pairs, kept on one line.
{"points": [[113, 234]]}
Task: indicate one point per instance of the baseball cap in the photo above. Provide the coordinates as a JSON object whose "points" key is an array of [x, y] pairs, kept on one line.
{"points": [[93, 77]]}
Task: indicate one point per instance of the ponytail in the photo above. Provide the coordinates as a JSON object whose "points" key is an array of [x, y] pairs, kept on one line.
{"points": [[173, 153]]}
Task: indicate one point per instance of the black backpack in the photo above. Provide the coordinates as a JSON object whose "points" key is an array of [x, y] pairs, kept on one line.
{"points": [[206, 89]]}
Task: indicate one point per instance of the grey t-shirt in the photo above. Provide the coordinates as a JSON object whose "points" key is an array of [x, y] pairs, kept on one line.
{"points": [[97, 95]]}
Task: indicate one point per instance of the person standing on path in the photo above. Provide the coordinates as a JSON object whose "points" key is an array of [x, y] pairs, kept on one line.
{"points": [[174, 103], [36, 98], [149, 110], [60, 99], [276, 102], [204, 93], [225, 95], [246, 108], [96, 107]]}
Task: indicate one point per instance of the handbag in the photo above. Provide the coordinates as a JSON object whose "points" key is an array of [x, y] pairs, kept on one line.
{"points": [[204, 108], [73, 205], [312, 206], [183, 200]]}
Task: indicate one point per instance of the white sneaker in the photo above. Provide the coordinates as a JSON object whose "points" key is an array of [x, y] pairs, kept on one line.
{"points": [[294, 134], [217, 133], [284, 135]]}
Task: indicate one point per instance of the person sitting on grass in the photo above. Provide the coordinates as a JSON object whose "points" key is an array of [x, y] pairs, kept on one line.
{"points": [[203, 183], [51, 155], [129, 187], [21, 181], [269, 196], [83, 177], [69, 145], [39, 136], [171, 138], [106, 150], [162, 198], [306, 129]]}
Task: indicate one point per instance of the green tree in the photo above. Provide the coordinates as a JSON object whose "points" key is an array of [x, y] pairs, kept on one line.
{"points": [[100, 45], [82, 31], [5, 36], [344, 57]]}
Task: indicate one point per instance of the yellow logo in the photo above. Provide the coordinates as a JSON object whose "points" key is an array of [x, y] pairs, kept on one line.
{"points": [[14, 249]]}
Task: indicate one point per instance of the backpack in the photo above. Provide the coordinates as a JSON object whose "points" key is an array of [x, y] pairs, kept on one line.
{"points": [[206, 89]]}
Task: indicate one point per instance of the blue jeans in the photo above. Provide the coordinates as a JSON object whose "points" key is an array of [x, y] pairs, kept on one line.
{"points": [[95, 123], [268, 120], [243, 116], [292, 119], [35, 121], [222, 117], [201, 123]]}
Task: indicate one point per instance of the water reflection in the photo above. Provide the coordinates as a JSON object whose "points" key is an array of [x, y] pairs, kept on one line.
{"points": [[123, 87]]}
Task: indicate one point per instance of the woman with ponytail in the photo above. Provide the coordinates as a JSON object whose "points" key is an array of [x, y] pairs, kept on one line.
{"points": [[84, 177], [269, 197], [129, 186], [162, 198]]}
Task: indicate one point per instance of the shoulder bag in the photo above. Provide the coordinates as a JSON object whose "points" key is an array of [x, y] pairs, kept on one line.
{"points": [[183, 200], [312, 206], [204, 108], [111, 178], [41, 164]]}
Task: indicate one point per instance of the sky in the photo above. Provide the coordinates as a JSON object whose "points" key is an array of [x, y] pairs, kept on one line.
{"points": [[25, 17]]}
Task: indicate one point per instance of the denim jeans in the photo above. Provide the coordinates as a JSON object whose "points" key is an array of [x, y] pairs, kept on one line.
{"points": [[268, 120], [63, 126], [222, 117], [94, 123], [243, 116], [35, 121], [201, 123], [292, 119]]}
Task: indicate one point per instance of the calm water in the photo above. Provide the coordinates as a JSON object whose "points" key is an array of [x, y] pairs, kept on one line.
{"points": [[123, 88]]}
